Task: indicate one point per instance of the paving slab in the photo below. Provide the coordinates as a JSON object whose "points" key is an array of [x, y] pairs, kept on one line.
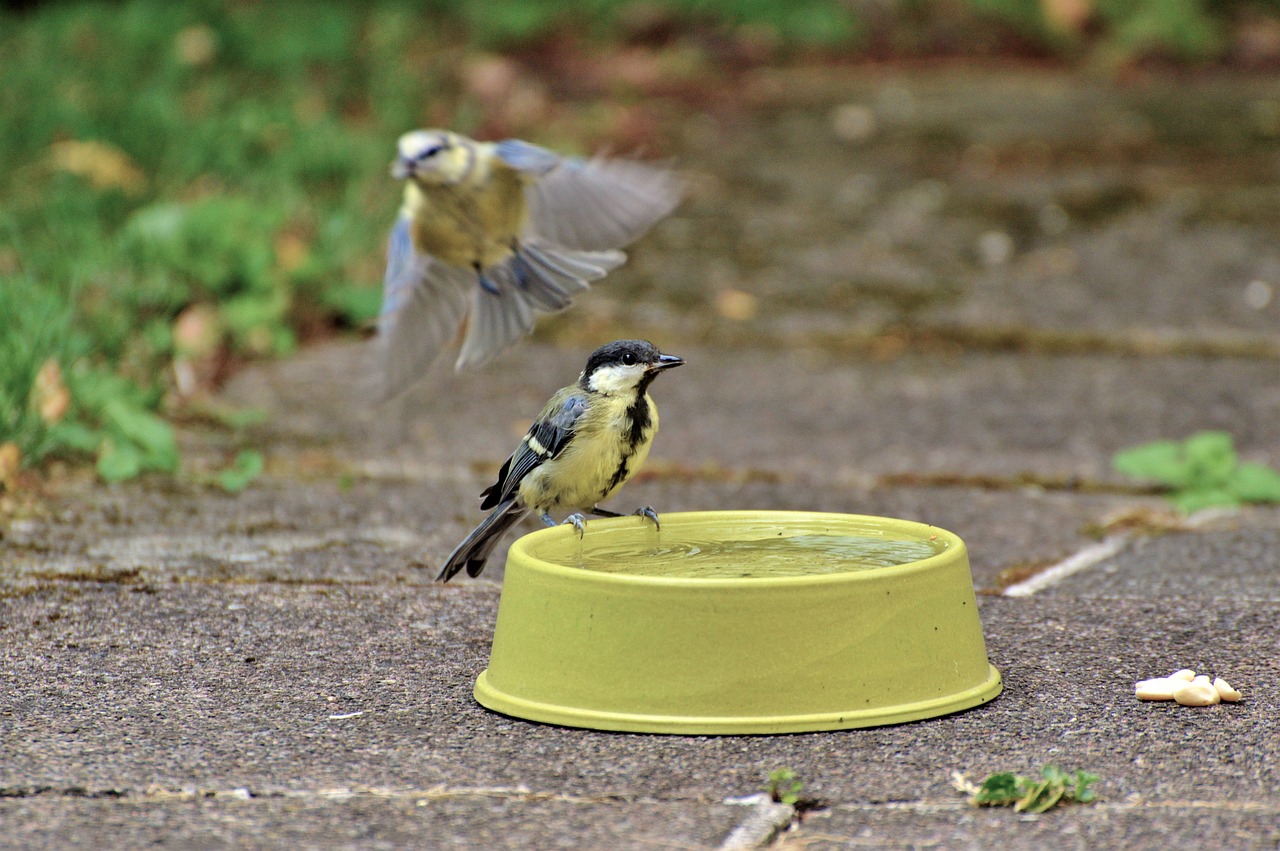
{"points": [[815, 433], [378, 531], [1126, 824], [1241, 564], [1007, 464], [963, 293], [802, 414], [376, 819], [979, 198], [114, 690]]}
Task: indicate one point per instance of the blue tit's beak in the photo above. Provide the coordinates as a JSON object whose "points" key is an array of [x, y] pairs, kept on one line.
{"points": [[665, 362], [402, 168]]}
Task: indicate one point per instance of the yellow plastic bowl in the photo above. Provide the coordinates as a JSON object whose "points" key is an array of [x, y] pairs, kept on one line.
{"points": [[737, 651]]}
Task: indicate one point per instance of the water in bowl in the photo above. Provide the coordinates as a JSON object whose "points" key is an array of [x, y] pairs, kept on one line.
{"points": [[777, 555]]}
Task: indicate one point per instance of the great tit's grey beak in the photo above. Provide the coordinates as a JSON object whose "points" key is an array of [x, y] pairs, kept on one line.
{"points": [[401, 168], [665, 362]]}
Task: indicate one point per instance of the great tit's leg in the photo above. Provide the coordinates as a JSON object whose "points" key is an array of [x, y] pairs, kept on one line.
{"points": [[647, 511], [485, 284], [579, 522], [546, 518]]}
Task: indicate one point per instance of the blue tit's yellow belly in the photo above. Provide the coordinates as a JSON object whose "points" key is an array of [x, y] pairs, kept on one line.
{"points": [[469, 224]]}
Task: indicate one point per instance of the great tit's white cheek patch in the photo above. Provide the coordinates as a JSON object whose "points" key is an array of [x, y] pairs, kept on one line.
{"points": [[617, 378]]}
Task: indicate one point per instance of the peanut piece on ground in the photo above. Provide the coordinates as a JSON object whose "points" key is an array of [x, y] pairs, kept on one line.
{"points": [[1197, 694], [1157, 689], [1225, 691]]}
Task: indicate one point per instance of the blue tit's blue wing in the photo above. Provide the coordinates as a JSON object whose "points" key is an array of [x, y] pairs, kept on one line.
{"points": [[544, 440], [536, 278], [580, 213], [423, 304], [598, 204], [523, 156], [590, 205], [497, 319]]}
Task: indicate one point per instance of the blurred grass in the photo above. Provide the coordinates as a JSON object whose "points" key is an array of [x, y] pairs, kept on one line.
{"points": [[164, 156], [192, 184]]}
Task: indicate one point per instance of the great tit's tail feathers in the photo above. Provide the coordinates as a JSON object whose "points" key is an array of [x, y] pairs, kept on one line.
{"points": [[536, 278], [473, 552]]}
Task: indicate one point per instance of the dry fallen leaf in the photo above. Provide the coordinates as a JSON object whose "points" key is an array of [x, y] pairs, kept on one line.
{"points": [[104, 166], [49, 394], [10, 461], [196, 45], [197, 330], [291, 250], [737, 305], [1069, 16]]}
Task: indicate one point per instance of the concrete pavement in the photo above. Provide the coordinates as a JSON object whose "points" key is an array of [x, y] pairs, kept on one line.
{"points": [[184, 668]]}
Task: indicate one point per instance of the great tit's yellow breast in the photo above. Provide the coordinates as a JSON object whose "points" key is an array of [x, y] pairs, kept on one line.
{"points": [[473, 221], [596, 463]]}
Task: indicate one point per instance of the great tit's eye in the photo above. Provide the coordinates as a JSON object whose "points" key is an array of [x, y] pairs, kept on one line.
{"points": [[428, 153], [629, 359]]}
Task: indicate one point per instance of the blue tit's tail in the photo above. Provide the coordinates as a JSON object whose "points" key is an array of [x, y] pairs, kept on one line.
{"points": [[537, 277], [474, 550]]}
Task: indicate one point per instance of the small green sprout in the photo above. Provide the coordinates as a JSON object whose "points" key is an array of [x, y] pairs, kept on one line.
{"points": [[1201, 471], [1029, 794], [246, 467], [784, 786]]}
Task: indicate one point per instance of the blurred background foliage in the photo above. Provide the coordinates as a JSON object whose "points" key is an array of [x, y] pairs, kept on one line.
{"points": [[188, 185]]}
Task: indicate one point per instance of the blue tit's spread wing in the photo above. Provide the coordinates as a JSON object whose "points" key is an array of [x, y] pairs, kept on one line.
{"points": [[590, 205], [523, 156], [544, 440], [536, 278], [496, 322], [599, 204], [553, 275], [423, 303]]}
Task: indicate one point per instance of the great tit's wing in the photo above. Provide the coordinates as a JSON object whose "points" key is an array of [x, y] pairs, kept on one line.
{"points": [[590, 205], [423, 303], [544, 440]]}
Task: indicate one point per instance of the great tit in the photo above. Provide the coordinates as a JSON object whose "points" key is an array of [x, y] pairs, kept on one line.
{"points": [[494, 232], [590, 438]]}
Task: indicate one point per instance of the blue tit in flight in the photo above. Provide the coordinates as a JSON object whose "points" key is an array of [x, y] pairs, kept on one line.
{"points": [[590, 438], [496, 232]]}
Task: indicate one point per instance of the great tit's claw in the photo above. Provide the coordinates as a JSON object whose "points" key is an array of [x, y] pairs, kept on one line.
{"points": [[647, 511], [579, 522]]}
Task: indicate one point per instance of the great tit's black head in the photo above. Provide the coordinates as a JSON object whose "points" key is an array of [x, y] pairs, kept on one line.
{"points": [[424, 155], [625, 365]]}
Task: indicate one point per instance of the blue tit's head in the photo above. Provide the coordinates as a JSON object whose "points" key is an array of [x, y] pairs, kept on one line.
{"points": [[624, 366], [427, 156]]}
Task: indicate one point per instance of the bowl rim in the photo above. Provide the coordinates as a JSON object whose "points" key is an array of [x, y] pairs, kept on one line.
{"points": [[526, 560]]}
